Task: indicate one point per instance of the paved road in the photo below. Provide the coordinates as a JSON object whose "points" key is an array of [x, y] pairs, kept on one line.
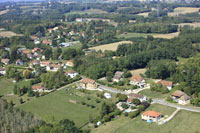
{"points": [[163, 102], [113, 90]]}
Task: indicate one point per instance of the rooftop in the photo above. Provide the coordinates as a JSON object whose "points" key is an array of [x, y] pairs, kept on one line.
{"points": [[152, 113], [86, 80], [136, 78]]}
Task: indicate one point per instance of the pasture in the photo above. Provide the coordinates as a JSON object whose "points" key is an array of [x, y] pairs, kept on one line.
{"points": [[111, 46], [4, 33], [138, 71], [183, 10], [6, 86], [57, 106]]}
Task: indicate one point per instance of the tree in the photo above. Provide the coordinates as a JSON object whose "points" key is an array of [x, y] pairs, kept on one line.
{"points": [[134, 114], [122, 98], [136, 101], [21, 101]]}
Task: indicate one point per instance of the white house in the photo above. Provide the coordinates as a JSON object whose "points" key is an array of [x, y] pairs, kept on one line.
{"points": [[107, 95], [53, 67], [140, 97], [71, 74], [2, 71], [137, 80], [168, 84], [64, 44], [151, 116]]}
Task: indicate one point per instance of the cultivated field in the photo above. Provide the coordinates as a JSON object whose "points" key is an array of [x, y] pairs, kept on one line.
{"points": [[57, 106], [3, 12], [8, 33], [167, 36], [111, 46], [183, 10], [138, 71], [127, 125], [145, 14]]}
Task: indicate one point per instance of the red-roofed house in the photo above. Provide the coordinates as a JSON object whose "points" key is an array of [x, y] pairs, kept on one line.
{"points": [[168, 84], [88, 83], [151, 116], [137, 80], [37, 88], [140, 97], [26, 51], [45, 63], [71, 73], [46, 42]]}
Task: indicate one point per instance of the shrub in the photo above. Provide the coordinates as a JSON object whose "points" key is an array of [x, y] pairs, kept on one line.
{"points": [[134, 114], [126, 114]]}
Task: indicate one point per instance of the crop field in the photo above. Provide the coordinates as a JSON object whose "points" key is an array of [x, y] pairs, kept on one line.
{"points": [[183, 10], [3, 12], [111, 46], [57, 106], [4, 33], [167, 36]]}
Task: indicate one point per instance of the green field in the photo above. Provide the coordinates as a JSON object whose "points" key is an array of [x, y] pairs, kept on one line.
{"points": [[6, 86], [183, 122], [130, 35], [153, 94], [56, 106]]}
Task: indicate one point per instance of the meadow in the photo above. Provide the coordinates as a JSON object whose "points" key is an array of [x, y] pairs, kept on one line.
{"points": [[111, 46], [57, 106], [183, 122], [6, 86], [4, 33], [183, 10]]}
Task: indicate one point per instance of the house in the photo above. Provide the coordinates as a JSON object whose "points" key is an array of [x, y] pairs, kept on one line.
{"points": [[88, 84], [30, 56], [19, 62], [180, 97], [37, 88], [117, 77], [70, 63], [35, 62], [26, 51], [53, 67], [79, 19], [46, 42], [64, 44], [168, 84], [71, 73], [2, 71], [137, 80], [45, 63], [37, 50], [5, 61], [151, 116], [140, 97], [107, 95]]}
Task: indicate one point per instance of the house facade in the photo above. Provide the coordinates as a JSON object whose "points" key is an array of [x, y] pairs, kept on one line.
{"points": [[88, 84], [118, 76], [180, 97], [2, 71], [138, 81], [151, 116], [140, 97], [168, 84], [71, 74]]}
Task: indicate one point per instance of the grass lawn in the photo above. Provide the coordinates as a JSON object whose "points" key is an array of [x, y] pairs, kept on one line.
{"points": [[153, 94], [56, 106], [183, 122], [6, 86]]}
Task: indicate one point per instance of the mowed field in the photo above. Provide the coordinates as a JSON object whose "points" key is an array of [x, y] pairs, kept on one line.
{"points": [[6, 86], [183, 10], [57, 106], [165, 36], [111, 46], [183, 122]]}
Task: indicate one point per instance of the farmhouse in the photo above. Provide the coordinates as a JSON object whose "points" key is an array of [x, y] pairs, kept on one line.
{"points": [[117, 77], [37, 88], [88, 84], [180, 97], [151, 116], [2, 71], [140, 97], [137, 80], [71, 73], [168, 84], [5, 61]]}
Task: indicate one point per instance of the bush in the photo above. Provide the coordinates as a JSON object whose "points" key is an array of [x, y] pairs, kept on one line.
{"points": [[97, 101], [141, 107], [83, 103], [124, 106], [117, 112], [88, 98], [134, 114], [125, 114]]}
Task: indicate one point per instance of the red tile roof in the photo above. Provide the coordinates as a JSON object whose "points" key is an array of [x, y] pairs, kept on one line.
{"points": [[152, 113], [135, 95], [26, 51], [136, 78], [177, 93], [86, 80], [36, 87], [165, 83]]}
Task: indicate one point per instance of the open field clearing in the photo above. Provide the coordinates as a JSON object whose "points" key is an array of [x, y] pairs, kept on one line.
{"points": [[111, 46], [196, 24], [167, 36], [8, 34], [184, 121], [6, 86], [3, 12], [130, 35], [145, 14], [183, 10], [89, 11], [153, 94], [138, 71], [57, 106]]}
